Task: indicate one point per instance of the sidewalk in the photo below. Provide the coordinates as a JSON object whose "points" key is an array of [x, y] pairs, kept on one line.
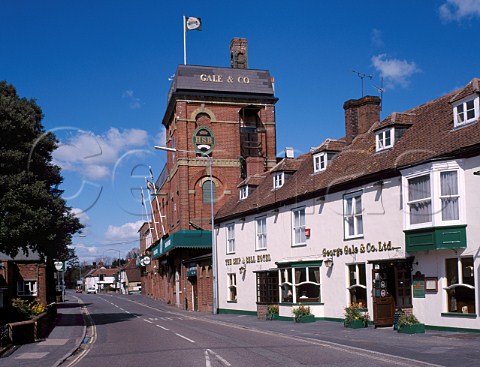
{"points": [[64, 339]]}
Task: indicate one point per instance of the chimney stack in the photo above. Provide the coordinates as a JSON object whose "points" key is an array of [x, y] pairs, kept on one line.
{"points": [[239, 53], [360, 115]]}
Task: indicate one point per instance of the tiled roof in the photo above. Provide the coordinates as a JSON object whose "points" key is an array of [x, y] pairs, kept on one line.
{"points": [[252, 180], [396, 119], [104, 271], [330, 145], [472, 87], [430, 136]]}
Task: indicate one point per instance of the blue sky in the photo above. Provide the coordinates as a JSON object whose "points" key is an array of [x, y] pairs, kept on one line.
{"points": [[100, 71]]}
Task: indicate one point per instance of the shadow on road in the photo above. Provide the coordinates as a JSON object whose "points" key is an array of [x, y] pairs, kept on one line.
{"points": [[111, 318]]}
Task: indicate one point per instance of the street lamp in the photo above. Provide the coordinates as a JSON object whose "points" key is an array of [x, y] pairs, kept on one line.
{"points": [[214, 248]]}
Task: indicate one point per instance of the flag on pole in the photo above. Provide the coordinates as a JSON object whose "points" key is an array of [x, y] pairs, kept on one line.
{"points": [[193, 24]]}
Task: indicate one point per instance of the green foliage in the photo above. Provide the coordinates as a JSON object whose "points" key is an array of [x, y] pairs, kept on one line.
{"points": [[405, 320], [301, 311], [33, 216], [27, 309], [352, 313], [272, 310]]}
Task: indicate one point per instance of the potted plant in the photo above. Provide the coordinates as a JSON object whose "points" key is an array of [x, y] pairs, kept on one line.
{"points": [[355, 317], [303, 314], [409, 324], [272, 312]]}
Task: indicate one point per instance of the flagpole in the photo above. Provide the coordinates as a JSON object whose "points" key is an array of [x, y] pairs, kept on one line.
{"points": [[184, 42]]}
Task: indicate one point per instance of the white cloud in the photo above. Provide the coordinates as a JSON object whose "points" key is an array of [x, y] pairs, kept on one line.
{"points": [[127, 231], [134, 102], [459, 9], [394, 71], [93, 155], [81, 215]]}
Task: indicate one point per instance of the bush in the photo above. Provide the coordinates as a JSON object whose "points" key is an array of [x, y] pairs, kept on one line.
{"points": [[354, 313], [272, 310], [27, 309], [301, 311], [405, 320]]}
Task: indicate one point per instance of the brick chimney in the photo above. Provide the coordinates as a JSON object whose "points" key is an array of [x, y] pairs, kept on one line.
{"points": [[360, 115], [239, 53]]}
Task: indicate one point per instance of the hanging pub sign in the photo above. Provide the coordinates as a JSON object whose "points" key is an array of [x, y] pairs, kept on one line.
{"points": [[203, 140], [418, 285]]}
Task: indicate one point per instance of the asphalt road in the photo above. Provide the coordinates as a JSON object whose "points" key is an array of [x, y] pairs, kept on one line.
{"points": [[127, 332]]}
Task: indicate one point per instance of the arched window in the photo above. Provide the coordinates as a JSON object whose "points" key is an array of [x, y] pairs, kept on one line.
{"points": [[206, 187]]}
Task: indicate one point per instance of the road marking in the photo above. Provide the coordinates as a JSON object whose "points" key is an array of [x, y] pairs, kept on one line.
{"points": [[184, 337], [161, 327], [148, 321], [220, 358]]}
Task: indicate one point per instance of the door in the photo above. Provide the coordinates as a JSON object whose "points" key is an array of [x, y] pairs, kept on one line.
{"points": [[383, 277]]}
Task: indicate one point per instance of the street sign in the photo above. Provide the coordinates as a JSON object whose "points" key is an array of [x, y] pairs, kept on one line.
{"points": [[59, 265]]}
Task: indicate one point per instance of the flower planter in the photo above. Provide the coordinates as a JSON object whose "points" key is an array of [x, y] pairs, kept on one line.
{"points": [[356, 324], [412, 329], [305, 318], [272, 316]]}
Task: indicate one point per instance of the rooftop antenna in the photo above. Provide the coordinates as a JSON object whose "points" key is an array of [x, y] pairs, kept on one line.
{"points": [[362, 76], [381, 89]]}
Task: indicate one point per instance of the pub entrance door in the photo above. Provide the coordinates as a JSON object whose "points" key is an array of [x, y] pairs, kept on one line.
{"points": [[391, 284]]}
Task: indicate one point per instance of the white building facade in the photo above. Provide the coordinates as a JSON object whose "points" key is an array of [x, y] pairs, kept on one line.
{"points": [[385, 219]]}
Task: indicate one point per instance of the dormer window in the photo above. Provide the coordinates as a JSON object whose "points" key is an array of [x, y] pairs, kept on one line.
{"points": [[319, 162], [385, 139], [278, 179], [243, 192], [466, 111]]}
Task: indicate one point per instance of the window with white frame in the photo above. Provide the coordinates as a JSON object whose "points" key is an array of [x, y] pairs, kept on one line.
{"points": [[231, 238], [466, 111], [319, 162], [357, 285], [298, 222], [353, 215], [243, 192], [232, 287], [27, 288], [300, 284], [278, 179], [385, 139], [261, 233], [434, 196], [460, 290]]}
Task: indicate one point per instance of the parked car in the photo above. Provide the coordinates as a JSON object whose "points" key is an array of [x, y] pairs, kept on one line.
{"points": [[91, 290]]}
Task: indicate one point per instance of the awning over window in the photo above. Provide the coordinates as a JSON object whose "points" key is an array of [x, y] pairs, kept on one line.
{"points": [[199, 239], [300, 261]]}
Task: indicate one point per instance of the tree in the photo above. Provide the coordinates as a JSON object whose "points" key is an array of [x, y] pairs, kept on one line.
{"points": [[33, 215], [133, 253]]}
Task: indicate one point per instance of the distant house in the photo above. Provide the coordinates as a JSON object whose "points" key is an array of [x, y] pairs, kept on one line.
{"points": [[130, 278], [102, 279], [26, 276]]}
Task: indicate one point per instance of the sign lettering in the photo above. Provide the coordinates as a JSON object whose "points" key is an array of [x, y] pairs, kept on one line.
{"points": [[362, 249], [214, 78]]}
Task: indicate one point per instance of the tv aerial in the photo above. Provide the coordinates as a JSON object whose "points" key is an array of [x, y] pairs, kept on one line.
{"points": [[362, 76], [381, 90]]}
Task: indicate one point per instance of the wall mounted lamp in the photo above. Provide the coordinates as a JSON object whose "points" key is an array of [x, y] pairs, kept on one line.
{"points": [[242, 269], [476, 173], [328, 262]]}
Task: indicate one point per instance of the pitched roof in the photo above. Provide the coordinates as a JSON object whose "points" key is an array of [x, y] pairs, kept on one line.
{"points": [[431, 135]]}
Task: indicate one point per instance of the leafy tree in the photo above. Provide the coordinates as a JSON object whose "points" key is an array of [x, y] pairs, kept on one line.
{"points": [[133, 253], [33, 215]]}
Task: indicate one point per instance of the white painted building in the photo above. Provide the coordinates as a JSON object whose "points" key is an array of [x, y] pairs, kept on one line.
{"points": [[385, 218]]}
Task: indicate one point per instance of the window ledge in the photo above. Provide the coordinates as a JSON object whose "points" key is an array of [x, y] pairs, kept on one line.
{"points": [[460, 315], [231, 301], [353, 238]]}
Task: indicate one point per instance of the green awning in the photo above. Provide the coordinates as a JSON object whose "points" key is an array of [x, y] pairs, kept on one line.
{"points": [[157, 250], [188, 239]]}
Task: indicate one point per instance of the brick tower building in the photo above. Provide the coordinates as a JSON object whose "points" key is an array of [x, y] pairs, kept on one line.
{"points": [[223, 118]]}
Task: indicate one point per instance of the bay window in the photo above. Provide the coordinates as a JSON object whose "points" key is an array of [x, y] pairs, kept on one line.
{"points": [[460, 290], [300, 284]]}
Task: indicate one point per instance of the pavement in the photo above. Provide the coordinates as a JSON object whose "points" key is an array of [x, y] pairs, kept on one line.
{"points": [[438, 347]]}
